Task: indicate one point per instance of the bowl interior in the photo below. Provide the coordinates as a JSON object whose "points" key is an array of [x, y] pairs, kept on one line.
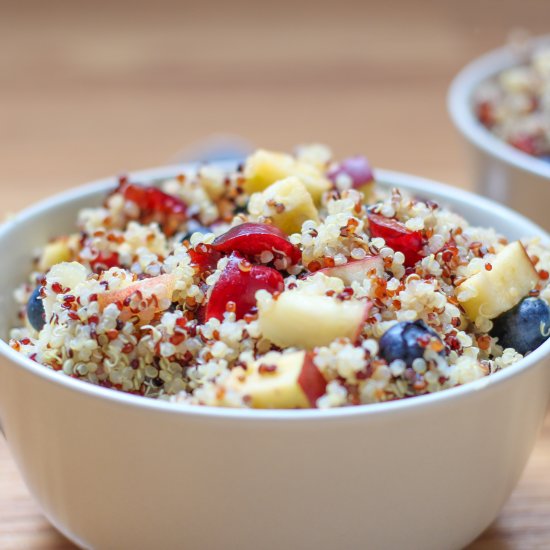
{"points": [[32, 228]]}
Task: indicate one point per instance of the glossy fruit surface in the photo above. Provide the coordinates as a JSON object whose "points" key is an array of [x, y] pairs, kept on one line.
{"points": [[251, 239], [104, 261], [357, 168], [238, 284], [35, 310], [156, 206], [397, 237], [524, 327], [408, 341]]}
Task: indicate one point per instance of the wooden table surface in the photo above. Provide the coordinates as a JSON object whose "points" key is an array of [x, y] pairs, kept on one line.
{"points": [[91, 89]]}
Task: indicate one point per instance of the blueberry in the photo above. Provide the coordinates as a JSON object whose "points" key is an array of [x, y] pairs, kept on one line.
{"points": [[407, 341], [524, 327], [35, 310], [243, 209]]}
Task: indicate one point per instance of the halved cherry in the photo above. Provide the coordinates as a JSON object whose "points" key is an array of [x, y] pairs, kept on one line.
{"points": [[485, 113], [204, 257], [239, 283], [104, 261], [251, 239], [398, 237], [357, 169], [156, 206], [527, 144]]}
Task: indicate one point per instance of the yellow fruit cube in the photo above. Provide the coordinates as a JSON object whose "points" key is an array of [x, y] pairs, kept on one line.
{"points": [[287, 203], [487, 294], [55, 253], [265, 167]]}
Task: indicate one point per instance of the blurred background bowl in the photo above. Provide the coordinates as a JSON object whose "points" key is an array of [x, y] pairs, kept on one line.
{"points": [[499, 170]]}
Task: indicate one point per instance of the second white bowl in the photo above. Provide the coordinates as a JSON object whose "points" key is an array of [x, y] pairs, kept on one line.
{"points": [[499, 170]]}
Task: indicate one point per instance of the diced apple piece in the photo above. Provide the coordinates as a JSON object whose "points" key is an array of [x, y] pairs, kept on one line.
{"points": [[297, 318], [265, 167], [56, 252], [288, 204], [490, 293], [281, 381], [314, 153], [356, 270], [143, 299], [212, 179], [65, 276]]}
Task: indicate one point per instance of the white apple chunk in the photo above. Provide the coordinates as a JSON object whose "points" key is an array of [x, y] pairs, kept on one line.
{"points": [[490, 293], [356, 270], [297, 318], [143, 299], [280, 381], [287, 203]]}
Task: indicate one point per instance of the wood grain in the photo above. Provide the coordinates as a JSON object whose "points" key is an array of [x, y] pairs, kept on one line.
{"points": [[91, 89]]}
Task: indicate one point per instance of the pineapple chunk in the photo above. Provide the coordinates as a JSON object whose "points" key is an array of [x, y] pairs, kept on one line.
{"points": [[490, 293], [297, 318], [288, 204], [265, 167], [56, 252], [280, 381]]}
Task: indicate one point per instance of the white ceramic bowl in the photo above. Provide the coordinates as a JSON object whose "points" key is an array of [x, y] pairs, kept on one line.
{"points": [[113, 471], [500, 171]]}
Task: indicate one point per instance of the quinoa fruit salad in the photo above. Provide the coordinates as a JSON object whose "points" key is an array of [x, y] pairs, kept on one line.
{"points": [[291, 281], [515, 104]]}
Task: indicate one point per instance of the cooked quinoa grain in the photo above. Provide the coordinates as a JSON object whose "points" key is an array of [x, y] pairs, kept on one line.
{"points": [[277, 286]]}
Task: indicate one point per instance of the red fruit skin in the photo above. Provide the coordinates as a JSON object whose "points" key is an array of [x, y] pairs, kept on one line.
{"points": [[485, 114], [311, 380], [398, 237], [239, 283], [251, 239], [357, 168], [368, 307], [527, 144], [156, 206], [204, 258], [105, 262]]}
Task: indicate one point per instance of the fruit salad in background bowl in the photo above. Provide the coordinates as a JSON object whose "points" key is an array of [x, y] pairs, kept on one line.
{"points": [[288, 282], [500, 104], [279, 339]]}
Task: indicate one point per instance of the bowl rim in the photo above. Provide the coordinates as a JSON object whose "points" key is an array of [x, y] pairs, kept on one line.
{"points": [[389, 178], [459, 106]]}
